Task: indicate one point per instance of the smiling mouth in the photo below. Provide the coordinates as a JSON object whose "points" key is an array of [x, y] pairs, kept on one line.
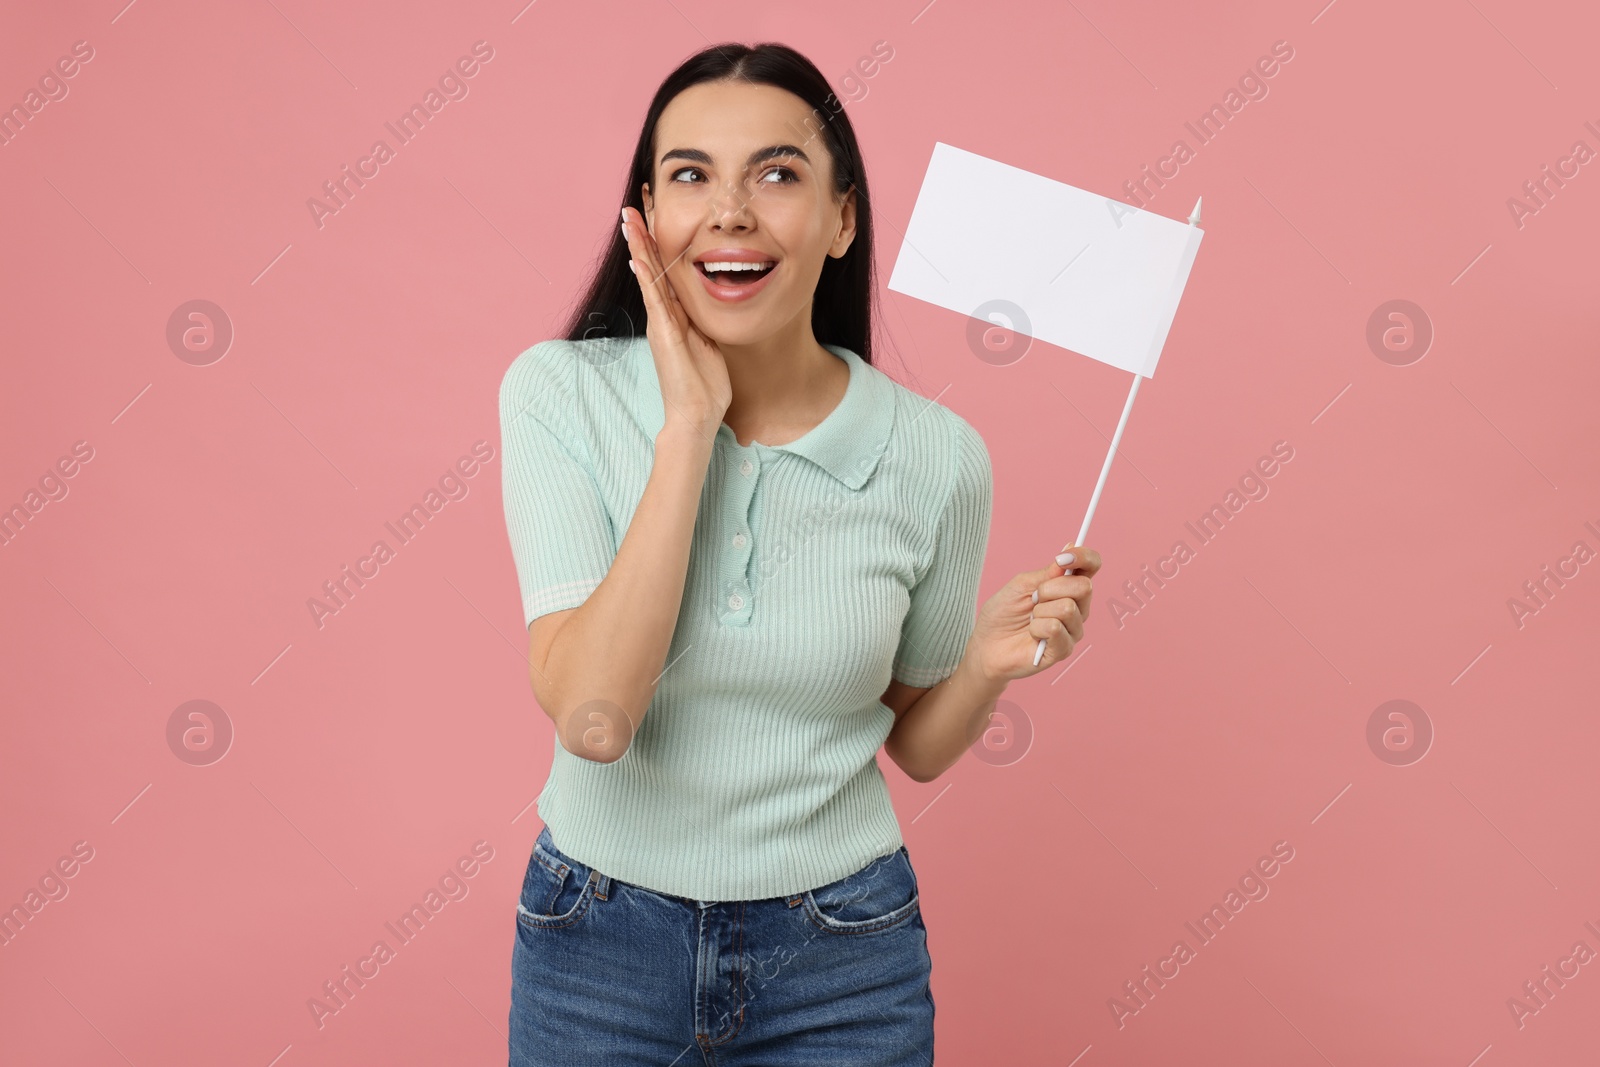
{"points": [[735, 273]]}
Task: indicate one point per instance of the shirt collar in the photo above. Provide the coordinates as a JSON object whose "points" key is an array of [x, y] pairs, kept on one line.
{"points": [[847, 444]]}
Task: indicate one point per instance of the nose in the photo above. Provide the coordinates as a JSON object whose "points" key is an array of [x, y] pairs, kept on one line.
{"points": [[730, 209]]}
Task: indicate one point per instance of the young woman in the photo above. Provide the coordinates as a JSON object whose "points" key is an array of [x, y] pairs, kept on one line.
{"points": [[748, 559]]}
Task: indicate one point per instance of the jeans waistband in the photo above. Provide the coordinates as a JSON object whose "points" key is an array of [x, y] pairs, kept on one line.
{"points": [[605, 881]]}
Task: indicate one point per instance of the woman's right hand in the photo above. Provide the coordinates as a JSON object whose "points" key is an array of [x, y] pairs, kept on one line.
{"points": [[689, 366]]}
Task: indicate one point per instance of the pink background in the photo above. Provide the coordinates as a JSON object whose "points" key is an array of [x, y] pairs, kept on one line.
{"points": [[1179, 744]]}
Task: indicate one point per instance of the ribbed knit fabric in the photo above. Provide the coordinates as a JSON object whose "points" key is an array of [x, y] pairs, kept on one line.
{"points": [[817, 570]]}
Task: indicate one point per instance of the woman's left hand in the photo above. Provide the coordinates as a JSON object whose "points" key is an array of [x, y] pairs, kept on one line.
{"points": [[1049, 604]]}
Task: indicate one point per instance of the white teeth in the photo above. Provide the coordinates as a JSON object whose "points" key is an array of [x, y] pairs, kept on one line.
{"points": [[709, 267]]}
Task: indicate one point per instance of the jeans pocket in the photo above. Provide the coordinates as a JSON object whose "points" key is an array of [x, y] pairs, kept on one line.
{"points": [[879, 897], [556, 890]]}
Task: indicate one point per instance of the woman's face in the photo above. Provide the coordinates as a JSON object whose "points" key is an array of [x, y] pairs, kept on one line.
{"points": [[739, 172]]}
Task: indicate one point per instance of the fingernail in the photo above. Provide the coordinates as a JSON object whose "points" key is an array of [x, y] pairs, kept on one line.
{"points": [[1065, 558], [1036, 596], [633, 266], [624, 215], [624, 231]]}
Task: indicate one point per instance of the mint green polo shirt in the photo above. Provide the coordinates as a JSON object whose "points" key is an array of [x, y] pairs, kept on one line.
{"points": [[818, 570]]}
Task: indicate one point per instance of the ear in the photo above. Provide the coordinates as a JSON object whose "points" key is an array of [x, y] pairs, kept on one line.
{"points": [[649, 207], [847, 226]]}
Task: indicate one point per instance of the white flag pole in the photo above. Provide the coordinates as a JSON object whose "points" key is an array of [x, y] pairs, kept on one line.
{"points": [[1105, 468]]}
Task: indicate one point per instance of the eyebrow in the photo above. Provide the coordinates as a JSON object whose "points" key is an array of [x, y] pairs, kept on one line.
{"points": [[760, 155]]}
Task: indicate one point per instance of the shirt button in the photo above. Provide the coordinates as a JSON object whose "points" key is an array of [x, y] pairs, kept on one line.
{"points": [[738, 540], [736, 602], [745, 468]]}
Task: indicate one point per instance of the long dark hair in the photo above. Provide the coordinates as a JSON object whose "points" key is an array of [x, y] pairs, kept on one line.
{"points": [[841, 310]]}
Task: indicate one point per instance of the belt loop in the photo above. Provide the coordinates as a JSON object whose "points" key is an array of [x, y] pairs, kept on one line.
{"points": [[602, 882]]}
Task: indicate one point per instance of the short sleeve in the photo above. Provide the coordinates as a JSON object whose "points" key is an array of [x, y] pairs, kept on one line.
{"points": [[944, 600], [560, 530]]}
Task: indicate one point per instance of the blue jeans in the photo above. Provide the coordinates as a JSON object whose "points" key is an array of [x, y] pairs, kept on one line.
{"points": [[607, 972]]}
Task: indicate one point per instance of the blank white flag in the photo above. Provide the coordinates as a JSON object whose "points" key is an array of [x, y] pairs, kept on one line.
{"points": [[1089, 273]]}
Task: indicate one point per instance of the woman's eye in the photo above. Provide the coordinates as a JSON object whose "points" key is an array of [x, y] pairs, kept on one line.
{"points": [[786, 176]]}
